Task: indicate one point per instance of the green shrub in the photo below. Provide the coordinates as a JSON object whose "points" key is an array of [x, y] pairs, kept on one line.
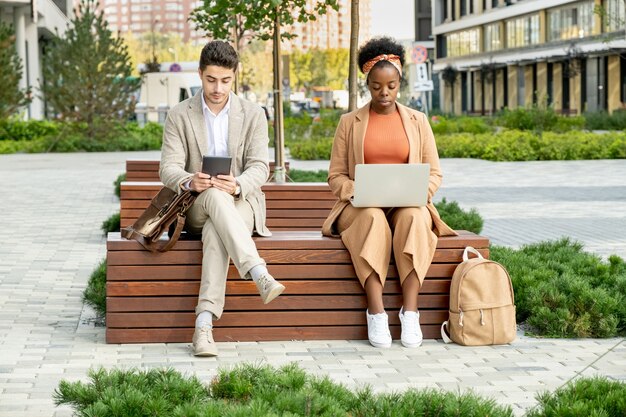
{"points": [[95, 293], [603, 121], [298, 175], [562, 291], [457, 218], [515, 145], [25, 130], [536, 118], [597, 396], [112, 224], [565, 124], [311, 149], [118, 183], [461, 124], [254, 391]]}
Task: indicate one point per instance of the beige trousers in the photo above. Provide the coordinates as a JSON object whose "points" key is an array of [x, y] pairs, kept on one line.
{"points": [[226, 225], [370, 234]]}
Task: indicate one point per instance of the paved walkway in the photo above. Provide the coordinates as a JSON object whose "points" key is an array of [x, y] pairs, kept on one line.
{"points": [[53, 206]]}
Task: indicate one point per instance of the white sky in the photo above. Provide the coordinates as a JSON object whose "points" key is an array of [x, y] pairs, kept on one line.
{"points": [[395, 18]]}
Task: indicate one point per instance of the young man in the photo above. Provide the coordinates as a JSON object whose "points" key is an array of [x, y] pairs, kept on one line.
{"points": [[229, 207]]}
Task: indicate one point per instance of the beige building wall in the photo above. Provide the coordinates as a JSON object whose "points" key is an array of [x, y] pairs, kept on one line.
{"points": [[574, 93], [512, 86], [478, 93], [529, 89], [542, 83], [614, 101], [488, 96], [500, 89], [458, 105], [557, 86]]}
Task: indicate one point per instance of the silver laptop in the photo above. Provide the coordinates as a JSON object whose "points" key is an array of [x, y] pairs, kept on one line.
{"points": [[391, 185]]}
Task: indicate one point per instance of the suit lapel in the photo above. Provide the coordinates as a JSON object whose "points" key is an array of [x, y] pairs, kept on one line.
{"points": [[196, 119], [409, 122], [235, 124], [362, 118]]}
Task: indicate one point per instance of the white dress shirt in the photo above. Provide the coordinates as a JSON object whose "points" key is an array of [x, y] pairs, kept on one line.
{"points": [[217, 129]]}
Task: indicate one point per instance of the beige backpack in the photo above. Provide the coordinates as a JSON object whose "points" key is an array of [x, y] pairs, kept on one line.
{"points": [[482, 310]]}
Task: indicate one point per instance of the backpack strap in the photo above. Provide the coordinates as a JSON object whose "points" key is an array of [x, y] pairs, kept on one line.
{"points": [[472, 250], [444, 335]]}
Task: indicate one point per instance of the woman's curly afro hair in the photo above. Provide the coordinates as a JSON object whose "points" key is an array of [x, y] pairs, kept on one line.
{"points": [[379, 46]]}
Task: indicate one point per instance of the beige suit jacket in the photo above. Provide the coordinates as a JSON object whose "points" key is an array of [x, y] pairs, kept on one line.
{"points": [[348, 151], [185, 142]]}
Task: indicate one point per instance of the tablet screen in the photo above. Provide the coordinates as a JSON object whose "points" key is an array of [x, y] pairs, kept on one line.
{"points": [[216, 165]]}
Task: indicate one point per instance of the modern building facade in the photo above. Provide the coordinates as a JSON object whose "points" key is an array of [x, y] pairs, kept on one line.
{"points": [[33, 22], [492, 54], [141, 16]]}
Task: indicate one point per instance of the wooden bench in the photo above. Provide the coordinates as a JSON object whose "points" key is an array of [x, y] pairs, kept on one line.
{"points": [[148, 170], [291, 206], [152, 297]]}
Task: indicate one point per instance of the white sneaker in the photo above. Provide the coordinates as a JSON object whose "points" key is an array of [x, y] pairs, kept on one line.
{"points": [[411, 336], [378, 329], [269, 288]]}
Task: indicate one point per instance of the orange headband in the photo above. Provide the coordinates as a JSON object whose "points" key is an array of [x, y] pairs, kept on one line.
{"points": [[392, 59]]}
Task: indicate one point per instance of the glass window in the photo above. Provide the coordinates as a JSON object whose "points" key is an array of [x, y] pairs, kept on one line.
{"points": [[615, 16], [522, 31], [463, 43], [492, 37], [571, 22]]}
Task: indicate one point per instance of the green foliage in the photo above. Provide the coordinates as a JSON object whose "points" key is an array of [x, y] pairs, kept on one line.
{"points": [[536, 118], [317, 67], [112, 224], [515, 145], [95, 293], [11, 96], [118, 182], [562, 291], [298, 175], [87, 72], [221, 17], [311, 149], [156, 392], [457, 218], [446, 125], [583, 397], [604, 121], [22, 130]]}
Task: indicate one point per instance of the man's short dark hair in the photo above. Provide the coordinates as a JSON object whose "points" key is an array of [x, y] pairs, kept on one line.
{"points": [[219, 53]]}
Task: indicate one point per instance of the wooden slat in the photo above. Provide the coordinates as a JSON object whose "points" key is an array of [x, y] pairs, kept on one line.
{"points": [[140, 170], [281, 272], [245, 334], [254, 303], [262, 318]]}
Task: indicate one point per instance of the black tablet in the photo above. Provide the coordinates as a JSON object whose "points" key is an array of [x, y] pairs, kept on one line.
{"points": [[216, 165]]}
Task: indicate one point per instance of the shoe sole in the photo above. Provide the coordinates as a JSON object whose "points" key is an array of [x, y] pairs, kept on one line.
{"points": [[206, 353], [380, 345], [411, 345], [274, 293]]}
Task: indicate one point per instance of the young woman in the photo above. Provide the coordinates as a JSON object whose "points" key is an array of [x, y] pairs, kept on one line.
{"points": [[384, 131]]}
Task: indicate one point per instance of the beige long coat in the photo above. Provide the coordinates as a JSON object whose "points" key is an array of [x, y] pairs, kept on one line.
{"points": [[185, 141], [348, 151]]}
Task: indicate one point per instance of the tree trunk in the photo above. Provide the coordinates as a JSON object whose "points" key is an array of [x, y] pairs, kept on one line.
{"points": [[354, 44], [279, 136]]}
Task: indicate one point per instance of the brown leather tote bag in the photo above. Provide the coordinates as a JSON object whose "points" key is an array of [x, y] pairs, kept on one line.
{"points": [[166, 213]]}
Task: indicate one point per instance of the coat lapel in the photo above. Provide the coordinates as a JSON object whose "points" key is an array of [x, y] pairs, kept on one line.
{"points": [[235, 124], [197, 123], [410, 124], [362, 118]]}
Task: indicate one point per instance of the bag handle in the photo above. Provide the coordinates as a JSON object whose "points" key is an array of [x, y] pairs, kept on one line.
{"points": [[444, 335], [472, 250], [159, 245]]}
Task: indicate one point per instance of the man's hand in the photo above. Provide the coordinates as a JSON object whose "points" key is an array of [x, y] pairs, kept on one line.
{"points": [[226, 183], [200, 182]]}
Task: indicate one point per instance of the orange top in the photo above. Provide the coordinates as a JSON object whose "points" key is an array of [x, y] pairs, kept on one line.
{"points": [[385, 141]]}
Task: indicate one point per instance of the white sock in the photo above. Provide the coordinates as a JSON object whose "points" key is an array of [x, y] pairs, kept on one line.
{"points": [[257, 271], [204, 319]]}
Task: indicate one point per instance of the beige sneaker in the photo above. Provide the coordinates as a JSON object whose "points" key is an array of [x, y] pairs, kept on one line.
{"points": [[203, 343], [269, 288]]}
